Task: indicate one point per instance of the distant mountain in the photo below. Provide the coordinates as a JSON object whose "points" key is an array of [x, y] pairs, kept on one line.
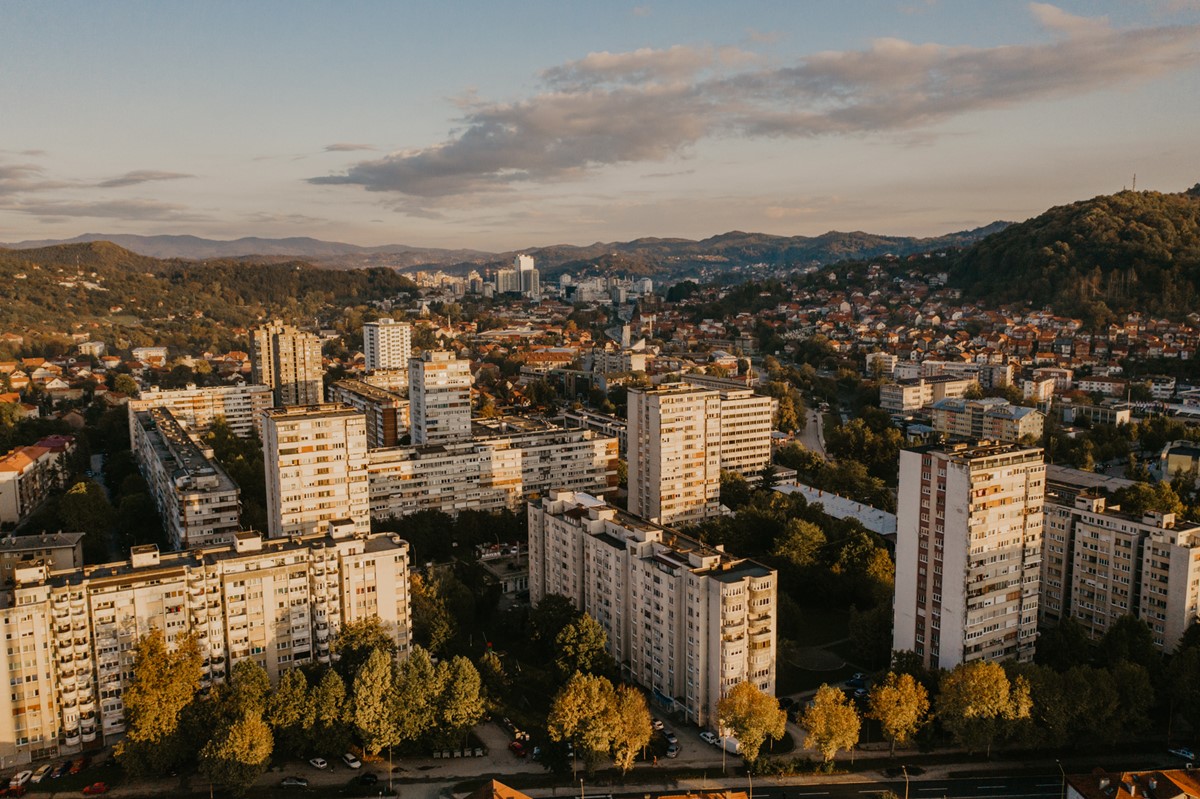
{"points": [[653, 257], [1113, 253]]}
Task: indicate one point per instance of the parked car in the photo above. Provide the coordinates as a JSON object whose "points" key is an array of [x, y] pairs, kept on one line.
{"points": [[368, 778], [673, 750], [517, 748], [20, 778], [710, 738], [293, 782], [95, 789], [657, 724], [350, 760], [858, 680], [670, 736], [1183, 752], [79, 764], [319, 762], [41, 773], [61, 770]]}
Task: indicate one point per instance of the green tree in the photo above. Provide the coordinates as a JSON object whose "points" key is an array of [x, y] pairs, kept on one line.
{"points": [[125, 384], [1129, 638], [633, 729], [752, 716], [249, 689], [901, 706], [433, 625], [977, 702], [164, 683], [416, 693], [372, 703], [584, 712], [801, 543], [289, 712], [581, 646], [1064, 645], [831, 722], [357, 640], [238, 754], [85, 509], [460, 703], [494, 678], [1140, 498], [329, 731], [735, 490], [549, 617]]}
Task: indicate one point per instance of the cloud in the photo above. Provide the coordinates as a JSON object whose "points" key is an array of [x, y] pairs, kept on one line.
{"points": [[135, 210], [347, 147], [21, 178], [139, 176], [650, 105]]}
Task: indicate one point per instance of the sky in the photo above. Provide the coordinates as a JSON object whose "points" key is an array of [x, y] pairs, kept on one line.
{"points": [[504, 125]]}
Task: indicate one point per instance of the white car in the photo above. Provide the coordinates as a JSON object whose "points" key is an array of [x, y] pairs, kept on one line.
{"points": [[20, 778], [656, 724], [318, 762], [41, 773], [710, 738], [351, 761]]}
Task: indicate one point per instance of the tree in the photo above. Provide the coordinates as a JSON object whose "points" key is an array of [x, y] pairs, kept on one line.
{"points": [[977, 701], [125, 384], [735, 490], [1129, 638], [633, 729], [163, 684], [1064, 645], [901, 705], [84, 508], [801, 543], [372, 704], [417, 690], [328, 731], [581, 646], [249, 689], [459, 703], [238, 754], [871, 634], [494, 678], [433, 625], [357, 640], [752, 716], [289, 711], [551, 615], [584, 712], [831, 722]]}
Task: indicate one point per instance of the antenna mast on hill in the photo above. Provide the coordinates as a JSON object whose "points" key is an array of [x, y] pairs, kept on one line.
{"points": [[1135, 181]]}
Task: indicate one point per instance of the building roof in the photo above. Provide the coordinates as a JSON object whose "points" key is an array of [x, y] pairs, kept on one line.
{"points": [[1171, 784], [494, 789]]}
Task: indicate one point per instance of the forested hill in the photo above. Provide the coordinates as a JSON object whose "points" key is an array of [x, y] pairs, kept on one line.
{"points": [[1132, 251], [54, 288]]}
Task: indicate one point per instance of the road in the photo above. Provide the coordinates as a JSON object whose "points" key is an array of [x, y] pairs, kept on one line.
{"points": [[813, 435], [1049, 786]]}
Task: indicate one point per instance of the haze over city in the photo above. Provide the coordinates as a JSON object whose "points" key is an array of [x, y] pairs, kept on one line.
{"points": [[499, 126]]}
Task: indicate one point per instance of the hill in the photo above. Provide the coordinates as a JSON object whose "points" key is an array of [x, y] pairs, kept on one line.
{"points": [[1131, 251], [98, 285]]}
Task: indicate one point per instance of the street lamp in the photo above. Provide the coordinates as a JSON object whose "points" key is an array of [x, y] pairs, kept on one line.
{"points": [[905, 770], [1063, 771]]}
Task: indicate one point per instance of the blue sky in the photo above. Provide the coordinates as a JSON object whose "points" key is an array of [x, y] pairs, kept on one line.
{"points": [[515, 124]]}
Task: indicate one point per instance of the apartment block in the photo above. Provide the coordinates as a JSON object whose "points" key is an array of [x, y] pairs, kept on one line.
{"points": [[316, 463], [439, 392], [747, 420], [683, 619], [27, 476], [913, 394], [600, 423], [387, 344], [989, 418], [674, 439], [492, 471], [289, 361], [197, 407], [619, 361], [198, 501], [1101, 564], [386, 411], [71, 633], [59, 550], [968, 552]]}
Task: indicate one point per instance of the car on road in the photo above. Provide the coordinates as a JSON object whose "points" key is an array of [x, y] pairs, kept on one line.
{"points": [[41, 773], [1183, 752], [517, 748], [95, 789], [79, 764], [670, 736], [657, 724], [61, 770], [710, 738], [368, 778], [350, 760], [20, 778], [293, 782], [858, 680], [319, 762], [673, 750]]}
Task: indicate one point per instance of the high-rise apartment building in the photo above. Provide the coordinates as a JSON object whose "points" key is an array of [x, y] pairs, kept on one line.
{"points": [[747, 420], [387, 344], [386, 411], [1101, 563], [990, 418], [316, 462], [674, 441], [289, 361], [968, 552], [528, 277], [197, 407], [439, 393], [198, 501], [71, 633], [683, 619]]}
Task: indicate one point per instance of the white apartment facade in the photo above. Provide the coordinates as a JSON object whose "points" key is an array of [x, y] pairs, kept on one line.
{"points": [[674, 440], [289, 361], [387, 344], [316, 463], [71, 633], [197, 407], [439, 396], [199, 503], [746, 423], [968, 552], [386, 410], [989, 418], [683, 619], [913, 394]]}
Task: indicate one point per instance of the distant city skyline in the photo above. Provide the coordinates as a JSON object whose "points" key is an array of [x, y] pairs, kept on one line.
{"points": [[505, 126]]}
